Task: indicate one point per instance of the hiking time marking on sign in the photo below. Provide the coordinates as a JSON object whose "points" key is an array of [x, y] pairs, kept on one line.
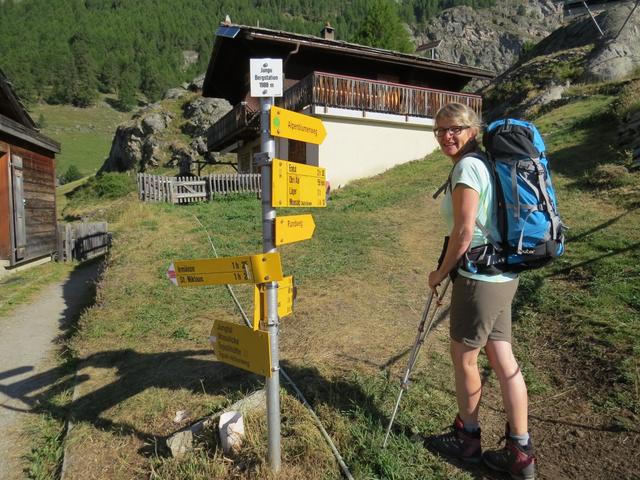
{"points": [[286, 295], [266, 77], [298, 185], [262, 268], [296, 126], [242, 347], [294, 228]]}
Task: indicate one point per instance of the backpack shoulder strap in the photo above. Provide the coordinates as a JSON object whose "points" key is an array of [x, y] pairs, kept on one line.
{"points": [[485, 157], [444, 186], [447, 183]]}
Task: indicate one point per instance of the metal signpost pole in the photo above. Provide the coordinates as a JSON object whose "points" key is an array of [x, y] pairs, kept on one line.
{"points": [[267, 144]]}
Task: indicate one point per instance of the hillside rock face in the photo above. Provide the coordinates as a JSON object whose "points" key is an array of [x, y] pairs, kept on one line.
{"points": [[490, 38], [575, 53], [614, 56], [135, 144], [146, 140]]}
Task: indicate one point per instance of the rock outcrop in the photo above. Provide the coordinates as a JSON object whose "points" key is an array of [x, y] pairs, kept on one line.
{"points": [[575, 53], [614, 56], [201, 113], [148, 139], [490, 38], [135, 144]]}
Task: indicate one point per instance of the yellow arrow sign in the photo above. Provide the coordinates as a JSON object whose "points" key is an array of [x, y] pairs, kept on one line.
{"points": [[286, 295], [294, 228], [296, 126], [242, 347], [261, 268], [298, 185]]}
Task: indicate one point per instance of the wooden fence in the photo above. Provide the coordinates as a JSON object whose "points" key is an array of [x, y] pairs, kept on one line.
{"points": [[224, 184], [157, 188], [82, 241]]}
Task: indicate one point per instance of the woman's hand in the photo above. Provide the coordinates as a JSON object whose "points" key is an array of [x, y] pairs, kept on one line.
{"points": [[435, 279]]}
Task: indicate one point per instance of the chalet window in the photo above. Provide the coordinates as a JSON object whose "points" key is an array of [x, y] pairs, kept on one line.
{"points": [[297, 151]]}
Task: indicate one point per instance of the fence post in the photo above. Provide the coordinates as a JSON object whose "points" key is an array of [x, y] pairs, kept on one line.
{"points": [[68, 243]]}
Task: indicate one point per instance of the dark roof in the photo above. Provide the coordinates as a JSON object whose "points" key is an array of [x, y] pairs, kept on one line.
{"points": [[235, 44], [10, 104], [16, 121]]}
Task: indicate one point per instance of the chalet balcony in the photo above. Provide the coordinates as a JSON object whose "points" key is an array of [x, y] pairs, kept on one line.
{"points": [[240, 123], [337, 91]]}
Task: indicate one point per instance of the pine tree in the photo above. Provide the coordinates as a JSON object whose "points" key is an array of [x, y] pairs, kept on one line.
{"points": [[382, 28]]}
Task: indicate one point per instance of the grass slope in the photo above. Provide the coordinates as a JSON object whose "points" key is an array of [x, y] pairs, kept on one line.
{"points": [[85, 134], [143, 353]]}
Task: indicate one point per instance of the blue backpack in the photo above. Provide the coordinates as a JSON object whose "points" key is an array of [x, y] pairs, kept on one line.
{"points": [[528, 220]]}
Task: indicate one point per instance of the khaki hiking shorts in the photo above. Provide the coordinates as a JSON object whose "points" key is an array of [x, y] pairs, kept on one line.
{"points": [[481, 311]]}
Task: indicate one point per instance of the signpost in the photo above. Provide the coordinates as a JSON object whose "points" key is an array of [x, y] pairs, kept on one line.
{"points": [[294, 228], [242, 347], [266, 77], [225, 271], [286, 295], [284, 184], [298, 185], [296, 126]]}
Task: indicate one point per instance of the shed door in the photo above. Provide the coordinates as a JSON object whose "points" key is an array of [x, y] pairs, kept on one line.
{"points": [[19, 227]]}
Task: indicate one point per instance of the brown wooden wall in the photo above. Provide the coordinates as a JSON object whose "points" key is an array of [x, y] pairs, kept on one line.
{"points": [[5, 218], [40, 202]]}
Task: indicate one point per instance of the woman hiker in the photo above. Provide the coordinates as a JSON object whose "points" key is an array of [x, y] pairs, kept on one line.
{"points": [[480, 313]]}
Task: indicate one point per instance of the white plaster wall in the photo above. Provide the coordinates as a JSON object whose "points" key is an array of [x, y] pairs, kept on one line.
{"points": [[357, 148]]}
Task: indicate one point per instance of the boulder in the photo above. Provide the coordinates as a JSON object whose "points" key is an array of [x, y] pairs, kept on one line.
{"points": [[155, 123], [615, 60], [612, 57], [552, 93], [202, 113], [199, 144], [134, 143], [197, 83], [151, 152], [183, 441], [125, 153], [175, 93]]}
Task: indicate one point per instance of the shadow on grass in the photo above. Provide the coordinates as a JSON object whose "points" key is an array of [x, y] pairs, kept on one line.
{"points": [[576, 160], [136, 372]]}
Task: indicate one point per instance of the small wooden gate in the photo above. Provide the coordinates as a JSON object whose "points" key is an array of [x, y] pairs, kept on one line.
{"points": [[189, 190]]}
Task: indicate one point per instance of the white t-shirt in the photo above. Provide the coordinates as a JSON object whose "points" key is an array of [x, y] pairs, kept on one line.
{"points": [[475, 174]]}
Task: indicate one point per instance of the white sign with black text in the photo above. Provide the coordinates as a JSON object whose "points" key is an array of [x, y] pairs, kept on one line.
{"points": [[266, 77]]}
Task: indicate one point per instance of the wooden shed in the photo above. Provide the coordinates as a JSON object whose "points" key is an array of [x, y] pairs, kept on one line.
{"points": [[27, 184]]}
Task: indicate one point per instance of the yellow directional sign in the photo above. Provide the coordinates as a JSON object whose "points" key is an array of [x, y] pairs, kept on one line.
{"points": [[286, 295], [298, 185], [262, 268], [296, 126], [294, 228], [242, 347]]}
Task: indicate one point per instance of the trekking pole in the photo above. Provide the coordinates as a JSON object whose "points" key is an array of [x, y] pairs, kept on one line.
{"points": [[413, 356]]}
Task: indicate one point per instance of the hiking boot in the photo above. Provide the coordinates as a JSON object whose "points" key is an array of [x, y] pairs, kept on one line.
{"points": [[458, 443], [513, 458]]}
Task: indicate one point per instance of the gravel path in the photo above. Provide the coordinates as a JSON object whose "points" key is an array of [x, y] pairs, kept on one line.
{"points": [[28, 341]]}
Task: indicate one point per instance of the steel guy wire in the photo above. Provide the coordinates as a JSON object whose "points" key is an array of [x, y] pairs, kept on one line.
{"points": [[302, 398]]}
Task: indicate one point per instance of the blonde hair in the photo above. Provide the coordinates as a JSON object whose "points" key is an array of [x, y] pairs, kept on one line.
{"points": [[460, 114]]}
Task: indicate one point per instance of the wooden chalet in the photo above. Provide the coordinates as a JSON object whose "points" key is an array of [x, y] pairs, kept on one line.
{"points": [[377, 105], [27, 184]]}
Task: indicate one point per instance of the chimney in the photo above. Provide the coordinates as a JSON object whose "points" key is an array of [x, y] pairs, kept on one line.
{"points": [[327, 32]]}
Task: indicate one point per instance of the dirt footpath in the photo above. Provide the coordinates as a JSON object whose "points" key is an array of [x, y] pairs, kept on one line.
{"points": [[28, 347]]}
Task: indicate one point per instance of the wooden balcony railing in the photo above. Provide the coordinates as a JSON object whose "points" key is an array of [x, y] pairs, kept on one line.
{"points": [[322, 89], [238, 120], [372, 96]]}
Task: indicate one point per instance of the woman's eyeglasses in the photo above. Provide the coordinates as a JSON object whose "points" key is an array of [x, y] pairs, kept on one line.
{"points": [[455, 130]]}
